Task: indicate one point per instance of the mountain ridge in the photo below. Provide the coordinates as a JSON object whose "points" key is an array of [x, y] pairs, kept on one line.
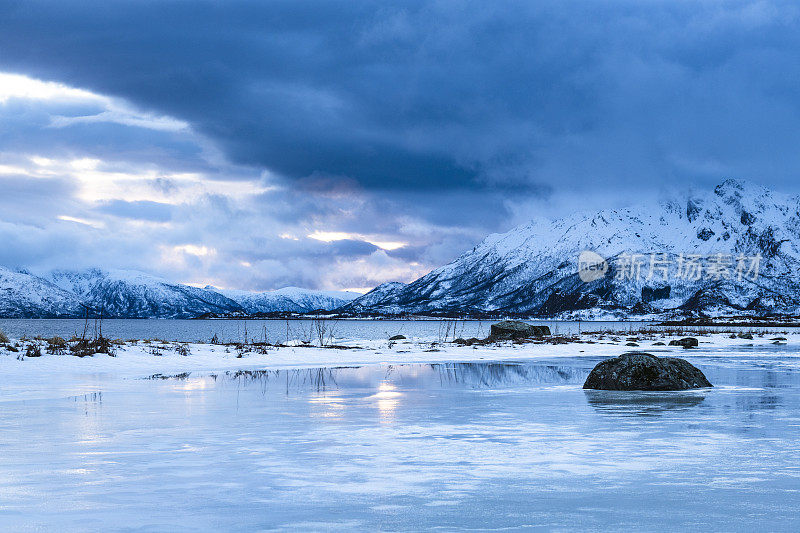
{"points": [[532, 269], [133, 294]]}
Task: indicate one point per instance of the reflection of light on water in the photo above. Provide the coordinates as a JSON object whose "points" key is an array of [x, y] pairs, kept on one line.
{"points": [[327, 405], [194, 392], [193, 384], [388, 399]]}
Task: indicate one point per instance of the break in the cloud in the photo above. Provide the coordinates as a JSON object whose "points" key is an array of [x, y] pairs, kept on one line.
{"points": [[93, 180], [340, 144]]}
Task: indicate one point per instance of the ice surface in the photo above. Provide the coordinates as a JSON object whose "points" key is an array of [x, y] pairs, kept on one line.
{"points": [[480, 445]]}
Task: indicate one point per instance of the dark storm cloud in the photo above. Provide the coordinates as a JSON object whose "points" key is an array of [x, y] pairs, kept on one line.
{"points": [[425, 123], [445, 95]]}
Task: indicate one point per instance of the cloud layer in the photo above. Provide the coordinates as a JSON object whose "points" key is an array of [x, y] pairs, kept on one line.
{"points": [[219, 141]]}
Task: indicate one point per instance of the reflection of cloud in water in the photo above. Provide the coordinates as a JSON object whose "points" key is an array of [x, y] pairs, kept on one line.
{"points": [[640, 403]]}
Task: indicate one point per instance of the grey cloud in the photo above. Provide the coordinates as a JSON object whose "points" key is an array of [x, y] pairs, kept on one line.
{"points": [[139, 210]]}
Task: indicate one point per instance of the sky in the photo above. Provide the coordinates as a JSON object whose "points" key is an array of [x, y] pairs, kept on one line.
{"points": [[339, 145]]}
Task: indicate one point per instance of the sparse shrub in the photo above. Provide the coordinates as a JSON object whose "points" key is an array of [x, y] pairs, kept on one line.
{"points": [[103, 345], [241, 349], [182, 349], [156, 350], [33, 350], [56, 346], [4, 338], [80, 348], [215, 339], [88, 347]]}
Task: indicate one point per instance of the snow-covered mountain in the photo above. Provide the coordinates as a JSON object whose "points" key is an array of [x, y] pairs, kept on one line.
{"points": [[132, 294], [23, 295], [375, 298], [533, 269], [291, 299]]}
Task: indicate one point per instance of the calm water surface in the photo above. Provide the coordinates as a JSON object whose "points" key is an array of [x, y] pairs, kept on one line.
{"points": [[409, 447], [281, 330], [275, 330]]}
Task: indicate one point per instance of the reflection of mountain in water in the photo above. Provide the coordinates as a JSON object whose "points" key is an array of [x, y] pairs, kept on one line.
{"points": [[318, 379], [481, 375], [412, 376]]}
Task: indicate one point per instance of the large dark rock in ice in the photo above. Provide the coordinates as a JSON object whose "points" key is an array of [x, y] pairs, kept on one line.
{"points": [[514, 329], [686, 342], [644, 371]]}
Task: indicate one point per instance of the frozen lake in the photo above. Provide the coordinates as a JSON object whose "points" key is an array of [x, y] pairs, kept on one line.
{"points": [[408, 447]]}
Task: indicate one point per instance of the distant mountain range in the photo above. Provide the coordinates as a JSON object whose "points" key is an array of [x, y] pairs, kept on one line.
{"points": [[131, 294], [742, 240], [733, 250]]}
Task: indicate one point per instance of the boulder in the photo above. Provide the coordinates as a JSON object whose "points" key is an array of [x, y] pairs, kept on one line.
{"points": [[469, 342], [515, 329], [686, 342], [646, 372]]}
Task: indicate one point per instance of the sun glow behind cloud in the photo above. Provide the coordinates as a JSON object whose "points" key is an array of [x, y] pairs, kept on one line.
{"points": [[17, 86], [331, 236], [166, 200], [83, 221], [99, 180]]}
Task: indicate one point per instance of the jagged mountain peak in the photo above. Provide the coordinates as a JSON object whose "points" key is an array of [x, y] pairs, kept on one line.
{"points": [[533, 267]]}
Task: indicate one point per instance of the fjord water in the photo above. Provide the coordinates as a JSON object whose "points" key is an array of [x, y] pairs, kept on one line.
{"points": [[277, 331], [274, 330], [410, 447]]}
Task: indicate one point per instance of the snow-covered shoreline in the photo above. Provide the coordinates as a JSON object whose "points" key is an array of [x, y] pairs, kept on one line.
{"points": [[142, 359]]}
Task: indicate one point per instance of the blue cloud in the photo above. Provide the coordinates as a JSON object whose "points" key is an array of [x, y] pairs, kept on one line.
{"points": [[139, 210], [450, 114]]}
